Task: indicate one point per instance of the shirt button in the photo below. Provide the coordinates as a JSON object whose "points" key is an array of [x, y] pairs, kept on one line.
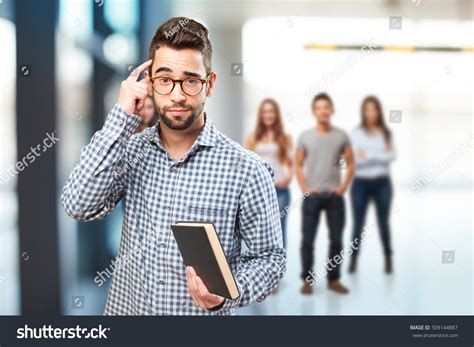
{"points": [[161, 282], [168, 207], [162, 244]]}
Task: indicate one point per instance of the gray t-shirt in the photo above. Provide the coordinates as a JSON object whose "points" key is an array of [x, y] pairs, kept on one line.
{"points": [[324, 159]]}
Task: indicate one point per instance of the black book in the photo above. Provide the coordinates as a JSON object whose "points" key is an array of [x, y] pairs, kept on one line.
{"points": [[201, 248]]}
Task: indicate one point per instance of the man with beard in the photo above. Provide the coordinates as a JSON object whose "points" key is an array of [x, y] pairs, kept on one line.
{"points": [[179, 170]]}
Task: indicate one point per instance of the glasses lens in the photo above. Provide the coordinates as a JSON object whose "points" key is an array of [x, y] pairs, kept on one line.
{"points": [[163, 85], [192, 86]]}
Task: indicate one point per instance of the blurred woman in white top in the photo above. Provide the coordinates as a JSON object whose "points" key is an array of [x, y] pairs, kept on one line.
{"points": [[374, 151], [270, 142]]}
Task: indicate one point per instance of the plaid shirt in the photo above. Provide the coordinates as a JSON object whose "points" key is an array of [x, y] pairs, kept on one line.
{"points": [[216, 180]]}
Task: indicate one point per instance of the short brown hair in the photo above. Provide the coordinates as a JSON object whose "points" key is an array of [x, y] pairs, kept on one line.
{"points": [[322, 96], [180, 33]]}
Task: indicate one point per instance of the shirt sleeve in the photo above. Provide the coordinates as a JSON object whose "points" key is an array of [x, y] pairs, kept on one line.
{"points": [[346, 142], [300, 143], [263, 264], [356, 140], [95, 185]]}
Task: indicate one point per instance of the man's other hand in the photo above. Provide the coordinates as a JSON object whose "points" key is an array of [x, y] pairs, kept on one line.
{"points": [[201, 296]]}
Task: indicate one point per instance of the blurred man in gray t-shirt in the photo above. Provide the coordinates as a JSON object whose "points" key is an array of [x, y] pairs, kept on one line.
{"points": [[322, 153], [324, 158]]}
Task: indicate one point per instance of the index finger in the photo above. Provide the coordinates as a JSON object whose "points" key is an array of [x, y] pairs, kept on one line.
{"points": [[139, 69]]}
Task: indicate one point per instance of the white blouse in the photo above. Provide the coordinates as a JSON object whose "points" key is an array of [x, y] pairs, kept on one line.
{"points": [[377, 159], [269, 153]]}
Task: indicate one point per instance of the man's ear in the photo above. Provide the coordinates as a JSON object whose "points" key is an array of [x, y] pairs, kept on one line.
{"points": [[149, 86], [211, 83]]}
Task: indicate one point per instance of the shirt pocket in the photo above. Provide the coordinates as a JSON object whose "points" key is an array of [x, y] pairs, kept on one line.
{"points": [[205, 213], [221, 216]]}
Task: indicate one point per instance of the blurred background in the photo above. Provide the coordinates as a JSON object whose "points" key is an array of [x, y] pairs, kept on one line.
{"points": [[61, 65]]}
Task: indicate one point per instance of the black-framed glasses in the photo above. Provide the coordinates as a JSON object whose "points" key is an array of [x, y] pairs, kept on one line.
{"points": [[190, 86]]}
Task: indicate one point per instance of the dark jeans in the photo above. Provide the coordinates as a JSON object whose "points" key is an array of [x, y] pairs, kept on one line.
{"points": [[284, 197], [362, 192], [335, 216]]}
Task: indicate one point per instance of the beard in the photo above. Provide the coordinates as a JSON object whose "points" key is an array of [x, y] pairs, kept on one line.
{"points": [[184, 122]]}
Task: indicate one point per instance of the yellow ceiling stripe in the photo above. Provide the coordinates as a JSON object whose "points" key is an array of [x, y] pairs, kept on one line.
{"points": [[400, 48], [321, 46]]}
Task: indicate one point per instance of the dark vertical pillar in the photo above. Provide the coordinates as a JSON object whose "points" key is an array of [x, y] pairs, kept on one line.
{"points": [[92, 236], [152, 14], [36, 116]]}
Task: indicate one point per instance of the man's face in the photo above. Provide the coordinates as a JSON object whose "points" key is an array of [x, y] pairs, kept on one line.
{"points": [[323, 110], [178, 110]]}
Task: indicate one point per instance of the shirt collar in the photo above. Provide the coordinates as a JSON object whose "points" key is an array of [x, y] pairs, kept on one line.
{"points": [[207, 137]]}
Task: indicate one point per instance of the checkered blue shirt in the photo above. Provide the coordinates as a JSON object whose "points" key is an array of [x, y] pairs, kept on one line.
{"points": [[216, 180]]}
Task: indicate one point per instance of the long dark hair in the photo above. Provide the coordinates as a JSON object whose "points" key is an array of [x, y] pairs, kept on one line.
{"points": [[380, 119]]}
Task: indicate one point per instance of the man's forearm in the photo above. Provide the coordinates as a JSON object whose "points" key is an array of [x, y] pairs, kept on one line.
{"points": [[301, 179], [348, 177], [94, 187]]}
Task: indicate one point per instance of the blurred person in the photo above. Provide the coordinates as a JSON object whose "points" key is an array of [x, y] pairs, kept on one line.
{"points": [[182, 169], [321, 154], [374, 151], [148, 114], [273, 145]]}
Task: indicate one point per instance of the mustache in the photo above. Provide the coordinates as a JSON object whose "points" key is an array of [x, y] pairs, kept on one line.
{"points": [[179, 106]]}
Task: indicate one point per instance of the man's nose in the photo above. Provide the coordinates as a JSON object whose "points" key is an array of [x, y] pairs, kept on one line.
{"points": [[177, 94]]}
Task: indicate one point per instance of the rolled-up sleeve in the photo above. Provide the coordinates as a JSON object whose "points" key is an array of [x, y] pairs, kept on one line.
{"points": [[263, 263]]}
